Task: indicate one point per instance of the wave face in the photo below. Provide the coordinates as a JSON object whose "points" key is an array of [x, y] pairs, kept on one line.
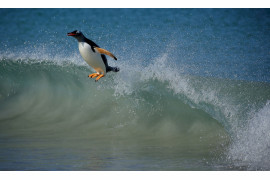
{"points": [[46, 94], [157, 103]]}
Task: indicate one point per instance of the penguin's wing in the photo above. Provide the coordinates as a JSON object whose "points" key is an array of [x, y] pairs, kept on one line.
{"points": [[104, 51]]}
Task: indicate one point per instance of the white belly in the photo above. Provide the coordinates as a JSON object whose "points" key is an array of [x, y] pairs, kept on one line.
{"points": [[92, 58]]}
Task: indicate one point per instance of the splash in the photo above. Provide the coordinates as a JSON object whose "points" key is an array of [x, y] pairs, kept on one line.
{"points": [[251, 144]]}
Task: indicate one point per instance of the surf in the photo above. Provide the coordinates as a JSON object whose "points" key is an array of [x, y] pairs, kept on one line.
{"points": [[156, 102]]}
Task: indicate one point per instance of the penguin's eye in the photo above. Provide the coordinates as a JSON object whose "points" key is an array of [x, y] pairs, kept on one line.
{"points": [[78, 32]]}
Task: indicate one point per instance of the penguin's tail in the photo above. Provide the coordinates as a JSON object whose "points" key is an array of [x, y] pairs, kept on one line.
{"points": [[113, 69]]}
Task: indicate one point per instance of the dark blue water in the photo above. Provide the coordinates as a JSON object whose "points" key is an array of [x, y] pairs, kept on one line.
{"points": [[231, 43], [192, 92]]}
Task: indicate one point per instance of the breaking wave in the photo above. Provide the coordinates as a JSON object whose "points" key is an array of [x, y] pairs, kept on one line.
{"points": [[45, 96]]}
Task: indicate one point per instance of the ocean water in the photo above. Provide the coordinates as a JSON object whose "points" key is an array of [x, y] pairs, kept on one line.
{"points": [[192, 93]]}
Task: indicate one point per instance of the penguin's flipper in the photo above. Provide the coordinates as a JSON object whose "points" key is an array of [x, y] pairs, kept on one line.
{"points": [[104, 51]]}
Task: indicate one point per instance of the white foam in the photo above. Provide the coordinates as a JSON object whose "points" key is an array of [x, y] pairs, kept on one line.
{"points": [[40, 53], [252, 142]]}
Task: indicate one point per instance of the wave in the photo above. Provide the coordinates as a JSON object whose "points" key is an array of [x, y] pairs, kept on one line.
{"points": [[155, 101]]}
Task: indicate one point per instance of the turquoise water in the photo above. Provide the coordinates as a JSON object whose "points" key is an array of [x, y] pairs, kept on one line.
{"points": [[192, 92]]}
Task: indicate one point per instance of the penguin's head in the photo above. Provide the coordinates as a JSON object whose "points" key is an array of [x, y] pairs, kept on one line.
{"points": [[77, 34]]}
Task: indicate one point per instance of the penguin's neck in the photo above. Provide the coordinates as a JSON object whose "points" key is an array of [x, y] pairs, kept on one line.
{"points": [[81, 39]]}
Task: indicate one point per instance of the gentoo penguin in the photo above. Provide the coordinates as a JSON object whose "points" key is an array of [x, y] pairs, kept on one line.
{"points": [[94, 55]]}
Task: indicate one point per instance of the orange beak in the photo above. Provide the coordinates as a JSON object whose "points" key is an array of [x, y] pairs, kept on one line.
{"points": [[71, 34]]}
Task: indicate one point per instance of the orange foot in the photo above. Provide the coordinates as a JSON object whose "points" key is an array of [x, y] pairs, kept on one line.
{"points": [[99, 76], [93, 75]]}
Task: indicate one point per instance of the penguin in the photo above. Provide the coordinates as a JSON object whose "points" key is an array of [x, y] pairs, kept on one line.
{"points": [[93, 55]]}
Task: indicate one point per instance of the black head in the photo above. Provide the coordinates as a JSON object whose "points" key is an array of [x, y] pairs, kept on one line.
{"points": [[75, 33]]}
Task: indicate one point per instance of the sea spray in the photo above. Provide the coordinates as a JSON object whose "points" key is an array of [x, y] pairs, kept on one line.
{"points": [[251, 142]]}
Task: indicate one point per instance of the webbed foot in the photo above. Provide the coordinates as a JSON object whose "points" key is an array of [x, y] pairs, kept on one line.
{"points": [[99, 76], [93, 75]]}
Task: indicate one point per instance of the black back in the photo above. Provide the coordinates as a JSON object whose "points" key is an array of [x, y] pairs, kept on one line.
{"points": [[91, 43]]}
